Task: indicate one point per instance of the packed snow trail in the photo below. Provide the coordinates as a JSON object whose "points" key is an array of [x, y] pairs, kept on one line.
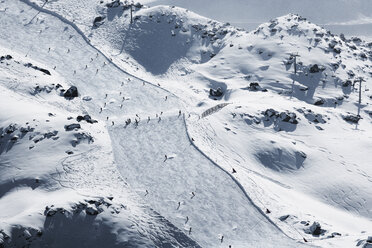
{"points": [[187, 188]]}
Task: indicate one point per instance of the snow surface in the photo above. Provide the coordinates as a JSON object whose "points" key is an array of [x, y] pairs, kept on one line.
{"points": [[253, 168]]}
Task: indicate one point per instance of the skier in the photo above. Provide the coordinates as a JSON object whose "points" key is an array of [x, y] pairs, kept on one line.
{"points": [[233, 170], [187, 219], [100, 111], [107, 118], [113, 123], [193, 195], [221, 238], [148, 119], [166, 157], [166, 97], [179, 113], [179, 205], [190, 230]]}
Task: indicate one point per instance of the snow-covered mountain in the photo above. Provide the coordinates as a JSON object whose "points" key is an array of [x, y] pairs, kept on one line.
{"points": [[175, 130]]}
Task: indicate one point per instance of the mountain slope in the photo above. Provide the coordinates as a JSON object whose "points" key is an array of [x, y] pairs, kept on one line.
{"points": [[265, 161]]}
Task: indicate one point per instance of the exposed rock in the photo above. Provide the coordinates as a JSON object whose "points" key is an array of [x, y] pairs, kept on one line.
{"points": [[7, 57], [80, 137], [284, 217], [315, 69], [50, 134], [347, 83], [352, 118], [319, 102], [86, 118], [87, 98], [38, 89], [38, 68], [51, 211], [337, 50], [288, 117], [113, 4], [71, 92], [271, 113], [72, 127], [91, 210], [218, 92], [254, 86], [98, 21], [315, 229]]}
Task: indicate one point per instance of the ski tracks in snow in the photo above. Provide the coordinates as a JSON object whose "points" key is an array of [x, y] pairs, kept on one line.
{"points": [[78, 172]]}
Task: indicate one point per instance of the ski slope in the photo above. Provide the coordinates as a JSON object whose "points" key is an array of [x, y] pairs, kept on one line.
{"points": [[189, 189]]}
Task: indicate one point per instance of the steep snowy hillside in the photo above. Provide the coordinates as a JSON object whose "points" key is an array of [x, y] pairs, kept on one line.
{"points": [[175, 130]]}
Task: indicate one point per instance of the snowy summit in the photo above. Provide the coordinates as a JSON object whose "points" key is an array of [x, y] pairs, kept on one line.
{"points": [[125, 125]]}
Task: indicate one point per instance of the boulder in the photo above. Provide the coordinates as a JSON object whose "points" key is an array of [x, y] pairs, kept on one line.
{"points": [[288, 117], [271, 113], [254, 86], [87, 98], [218, 92], [71, 92], [352, 118], [337, 50], [98, 21], [86, 118], [72, 127], [347, 83], [314, 68], [315, 229]]}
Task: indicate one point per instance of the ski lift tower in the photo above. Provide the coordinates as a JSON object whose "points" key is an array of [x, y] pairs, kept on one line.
{"points": [[294, 56], [361, 79]]}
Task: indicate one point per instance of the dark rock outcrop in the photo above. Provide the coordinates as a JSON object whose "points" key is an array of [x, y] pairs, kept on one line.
{"points": [[86, 118], [71, 92], [217, 93], [72, 127]]}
